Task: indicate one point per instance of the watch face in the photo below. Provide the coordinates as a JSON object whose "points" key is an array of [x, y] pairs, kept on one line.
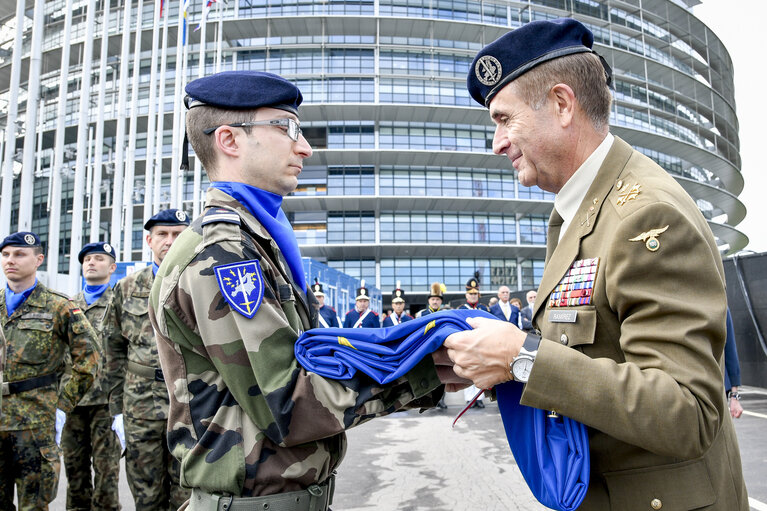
{"points": [[521, 368]]}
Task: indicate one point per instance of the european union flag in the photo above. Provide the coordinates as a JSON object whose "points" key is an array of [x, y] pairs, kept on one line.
{"points": [[242, 285], [552, 453]]}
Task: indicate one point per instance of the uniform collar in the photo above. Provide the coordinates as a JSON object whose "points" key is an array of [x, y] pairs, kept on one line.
{"points": [[572, 193]]}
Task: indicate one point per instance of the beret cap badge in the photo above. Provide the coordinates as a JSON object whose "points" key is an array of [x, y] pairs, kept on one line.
{"points": [[29, 239], [181, 216], [488, 70]]}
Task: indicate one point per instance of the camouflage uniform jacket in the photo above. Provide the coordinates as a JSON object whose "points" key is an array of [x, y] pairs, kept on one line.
{"points": [[101, 316], [2, 365], [134, 395], [245, 418], [40, 334]]}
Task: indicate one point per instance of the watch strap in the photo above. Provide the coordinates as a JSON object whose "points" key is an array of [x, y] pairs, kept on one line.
{"points": [[532, 341]]}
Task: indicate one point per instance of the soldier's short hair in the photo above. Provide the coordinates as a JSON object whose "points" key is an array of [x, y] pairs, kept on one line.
{"points": [[200, 118]]}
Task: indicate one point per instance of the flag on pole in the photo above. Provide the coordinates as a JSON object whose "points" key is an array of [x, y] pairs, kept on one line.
{"points": [[205, 11], [162, 5], [184, 15]]}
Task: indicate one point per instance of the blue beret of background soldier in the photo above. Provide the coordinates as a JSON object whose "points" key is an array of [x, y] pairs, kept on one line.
{"points": [[45, 333], [138, 398], [630, 311], [230, 305]]}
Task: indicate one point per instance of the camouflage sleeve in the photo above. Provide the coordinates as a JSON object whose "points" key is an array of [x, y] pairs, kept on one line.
{"points": [[2, 362], [117, 353], [254, 357], [83, 349]]}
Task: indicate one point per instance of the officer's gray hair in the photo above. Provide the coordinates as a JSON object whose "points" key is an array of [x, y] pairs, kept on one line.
{"points": [[583, 72], [200, 118]]}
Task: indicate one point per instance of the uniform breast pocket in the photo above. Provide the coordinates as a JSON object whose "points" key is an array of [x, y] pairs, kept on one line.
{"points": [[570, 326], [36, 346], [136, 306]]}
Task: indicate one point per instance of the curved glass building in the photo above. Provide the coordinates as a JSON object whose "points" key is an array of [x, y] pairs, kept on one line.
{"points": [[403, 185]]}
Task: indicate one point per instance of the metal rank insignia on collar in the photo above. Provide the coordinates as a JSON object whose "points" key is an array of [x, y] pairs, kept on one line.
{"points": [[628, 193], [242, 285], [651, 238], [577, 286]]}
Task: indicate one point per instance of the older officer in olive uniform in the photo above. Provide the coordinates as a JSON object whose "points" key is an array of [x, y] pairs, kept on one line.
{"points": [[43, 330], [327, 315], [362, 316], [631, 305], [253, 429], [398, 314], [88, 434], [140, 397]]}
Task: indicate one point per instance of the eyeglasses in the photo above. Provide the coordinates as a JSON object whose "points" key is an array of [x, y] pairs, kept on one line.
{"points": [[293, 131]]}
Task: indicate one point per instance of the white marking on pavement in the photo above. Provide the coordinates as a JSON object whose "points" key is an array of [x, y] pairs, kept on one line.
{"points": [[755, 504], [754, 414]]}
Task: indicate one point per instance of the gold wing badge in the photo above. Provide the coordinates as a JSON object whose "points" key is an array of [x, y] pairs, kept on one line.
{"points": [[651, 238]]}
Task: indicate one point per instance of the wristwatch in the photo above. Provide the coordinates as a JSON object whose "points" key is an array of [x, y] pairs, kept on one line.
{"points": [[523, 362]]}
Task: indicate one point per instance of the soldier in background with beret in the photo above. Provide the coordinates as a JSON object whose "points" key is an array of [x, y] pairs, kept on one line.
{"points": [[44, 330], [631, 305], [88, 434], [327, 315], [139, 397], [253, 429]]}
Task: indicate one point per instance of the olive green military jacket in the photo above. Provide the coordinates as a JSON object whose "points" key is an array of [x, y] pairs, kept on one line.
{"points": [[245, 418], [135, 395], [100, 314], [40, 334], [641, 365]]}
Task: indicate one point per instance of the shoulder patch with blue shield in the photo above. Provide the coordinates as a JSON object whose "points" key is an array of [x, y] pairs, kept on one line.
{"points": [[242, 285]]}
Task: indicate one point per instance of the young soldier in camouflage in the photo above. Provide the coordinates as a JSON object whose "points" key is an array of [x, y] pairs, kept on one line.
{"points": [[140, 394], [43, 329], [250, 426], [87, 433]]}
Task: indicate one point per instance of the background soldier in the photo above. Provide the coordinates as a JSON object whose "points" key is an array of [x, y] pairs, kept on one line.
{"points": [[42, 328], [361, 316], [327, 314], [472, 302], [140, 392], [435, 299], [398, 304], [253, 428], [87, 433]]}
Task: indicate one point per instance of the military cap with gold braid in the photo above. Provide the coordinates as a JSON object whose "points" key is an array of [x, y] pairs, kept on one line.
{"points": [[473, 283], [398, 295]]}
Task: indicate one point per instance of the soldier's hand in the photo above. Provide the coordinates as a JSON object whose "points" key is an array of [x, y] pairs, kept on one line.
{"points": [[444, 365], [484, 354]]}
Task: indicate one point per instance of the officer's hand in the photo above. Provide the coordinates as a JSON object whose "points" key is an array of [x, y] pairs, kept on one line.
{"points": [[736, 409], [119, 429], [484, 355], [61, 418], [444, 365]]}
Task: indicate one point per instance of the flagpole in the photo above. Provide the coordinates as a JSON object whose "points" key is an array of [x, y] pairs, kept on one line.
{"points": [[98, 163], [10, 128], [219, 36], [179, 79], [200, 73], [130, 166], [151, 140], [161, 117], [54, 197], [119, 160], [76, 241]]}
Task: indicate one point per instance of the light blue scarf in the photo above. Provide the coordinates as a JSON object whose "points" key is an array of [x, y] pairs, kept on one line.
{"points": [[93, 293], [14, 300]]}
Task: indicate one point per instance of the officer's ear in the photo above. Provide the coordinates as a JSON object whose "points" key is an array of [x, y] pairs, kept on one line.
{"points": [[226, 141]]}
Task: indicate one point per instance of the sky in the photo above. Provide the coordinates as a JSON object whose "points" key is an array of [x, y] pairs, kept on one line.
{"points": [[740, 26]]}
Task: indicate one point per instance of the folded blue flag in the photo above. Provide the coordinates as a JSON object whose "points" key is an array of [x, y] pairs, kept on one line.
{"points": [[552, 453]]}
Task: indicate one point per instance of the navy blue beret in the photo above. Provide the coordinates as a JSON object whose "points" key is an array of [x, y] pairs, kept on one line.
{"points": [[98, 247], [517, 52], [21, 239], [243, 90], [167, 217]]}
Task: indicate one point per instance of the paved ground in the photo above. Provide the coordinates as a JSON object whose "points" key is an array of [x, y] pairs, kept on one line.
{"points": [[411, 462]]}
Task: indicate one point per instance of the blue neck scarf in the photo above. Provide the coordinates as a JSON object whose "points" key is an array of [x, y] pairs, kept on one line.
{"points": [[265, 206], [155, 267], [14, 300], [93, 293]]}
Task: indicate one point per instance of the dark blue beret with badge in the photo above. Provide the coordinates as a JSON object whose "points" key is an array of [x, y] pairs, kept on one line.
{"points": [[517, 52], [99, 247], [21, 239], [243, 90], [167, 217]]}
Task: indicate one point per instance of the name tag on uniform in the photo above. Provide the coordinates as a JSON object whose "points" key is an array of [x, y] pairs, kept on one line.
{"points": [[563, 316]]}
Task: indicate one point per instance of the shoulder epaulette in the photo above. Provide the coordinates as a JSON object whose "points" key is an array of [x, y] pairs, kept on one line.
{"points": [[217, 215], [374, 312], [59, 293]]}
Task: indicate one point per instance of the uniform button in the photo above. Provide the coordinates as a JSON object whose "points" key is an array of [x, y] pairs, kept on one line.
{"points": [[563, 339], [424, 384], [619, 184], [656, 504]]}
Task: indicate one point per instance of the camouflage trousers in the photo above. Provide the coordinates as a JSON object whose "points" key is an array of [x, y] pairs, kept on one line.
{"points": [[153, 473], [87, 436], [29, 459]]}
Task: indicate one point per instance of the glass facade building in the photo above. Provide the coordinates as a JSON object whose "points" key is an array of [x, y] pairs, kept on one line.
{"points": [[403, 185]]}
